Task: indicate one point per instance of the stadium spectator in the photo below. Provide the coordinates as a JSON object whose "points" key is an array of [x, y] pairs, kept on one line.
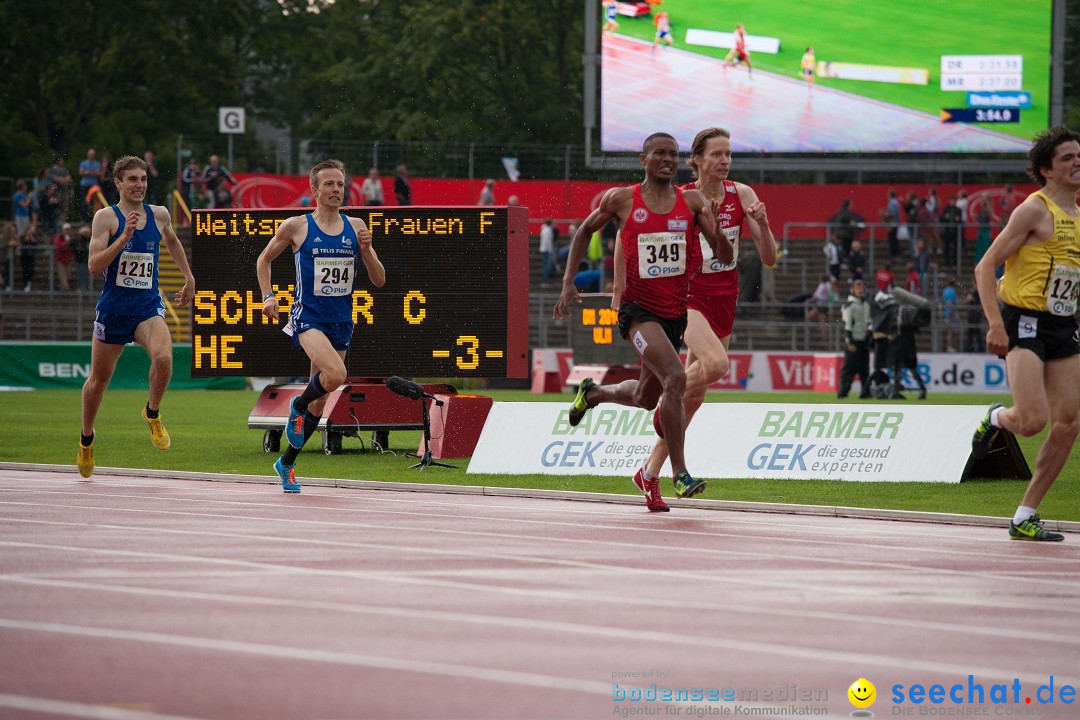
{"points": [[487, 194], [63, 255], [28, 250], [817, 307], [202, 199], [891, 216], [61, 180], [81, 252], [130, 308], [884, 278], [1036, 329], [322, 326], [922, 257], [402, 189], [22, 202], [931, 281], [547, 252], [950, 313], [41, 207], [856, 261], [933, 205], [651, 292], [190, 180], [1006, 205], [832, 255], [911, 215], [928, 226], [372, 188], [912, 282], [89, 176], [952, 221], [214, 176], [152, 175], [845, 225], [856, 315], [513, 201]]}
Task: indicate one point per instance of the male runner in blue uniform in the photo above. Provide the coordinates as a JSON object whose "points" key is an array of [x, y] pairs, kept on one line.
{"points": [[325, 245], [124, 247]]}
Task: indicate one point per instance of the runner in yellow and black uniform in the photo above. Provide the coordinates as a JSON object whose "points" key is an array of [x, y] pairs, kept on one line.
{"points": [[1036, 330]]}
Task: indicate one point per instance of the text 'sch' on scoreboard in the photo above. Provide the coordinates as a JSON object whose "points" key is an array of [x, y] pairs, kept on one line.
{"points": [[455, 302]]}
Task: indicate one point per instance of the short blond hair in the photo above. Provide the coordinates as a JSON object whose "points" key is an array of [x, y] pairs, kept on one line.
{"points": [[325, 165], [128, 162]]}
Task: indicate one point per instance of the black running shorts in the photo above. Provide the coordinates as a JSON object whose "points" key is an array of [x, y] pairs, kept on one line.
{"points": [[632, 312], [1051, 337]]}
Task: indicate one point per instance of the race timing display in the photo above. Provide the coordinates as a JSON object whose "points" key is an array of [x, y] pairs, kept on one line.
{"points": [[455, 302]]}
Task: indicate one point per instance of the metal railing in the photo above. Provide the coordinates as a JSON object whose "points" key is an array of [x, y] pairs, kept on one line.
{"points": [[875, 238]]}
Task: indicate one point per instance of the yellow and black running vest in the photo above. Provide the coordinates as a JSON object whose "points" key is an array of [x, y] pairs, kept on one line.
{"points": [[1046, 276]]}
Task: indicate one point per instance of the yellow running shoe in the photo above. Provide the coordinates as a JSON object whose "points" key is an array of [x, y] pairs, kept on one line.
{"points": [[85, 460], [158, 434]]}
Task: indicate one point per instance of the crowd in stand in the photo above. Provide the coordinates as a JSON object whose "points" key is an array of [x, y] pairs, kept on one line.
{"points": [[52, 213]]}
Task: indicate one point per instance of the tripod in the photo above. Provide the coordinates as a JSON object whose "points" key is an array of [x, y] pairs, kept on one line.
{"points": [[426, 459]]}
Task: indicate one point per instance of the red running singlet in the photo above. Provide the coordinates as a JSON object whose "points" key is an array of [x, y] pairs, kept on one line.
{"points": [[660, 251], [712, 277]]}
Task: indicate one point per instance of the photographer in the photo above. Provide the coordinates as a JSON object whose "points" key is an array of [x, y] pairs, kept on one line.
{"points": [[856, 314]]}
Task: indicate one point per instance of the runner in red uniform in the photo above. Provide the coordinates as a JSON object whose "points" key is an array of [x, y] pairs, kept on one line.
{"points": [[714, 285], [659, 234], [740, 53]]}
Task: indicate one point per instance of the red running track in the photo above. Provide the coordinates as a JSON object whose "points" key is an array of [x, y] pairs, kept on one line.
{"points": [[146, 598]]}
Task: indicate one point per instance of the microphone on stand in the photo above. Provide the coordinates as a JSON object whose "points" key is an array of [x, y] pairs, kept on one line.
{"points": [[407, 388]]}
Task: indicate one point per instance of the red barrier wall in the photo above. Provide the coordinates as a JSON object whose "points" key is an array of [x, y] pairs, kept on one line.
{"points": [[575, 199]]}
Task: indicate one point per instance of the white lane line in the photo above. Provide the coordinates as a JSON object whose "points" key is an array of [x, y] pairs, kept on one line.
{"points": [[825, 587], [81, 710], [533, 593], [544, 539], [509, 677], [846, 619], [514, 677], [770, 521]]}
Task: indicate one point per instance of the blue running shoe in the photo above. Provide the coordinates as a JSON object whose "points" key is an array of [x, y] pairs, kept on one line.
{"points": [[287, 473], [686, 486], [294, 428]]}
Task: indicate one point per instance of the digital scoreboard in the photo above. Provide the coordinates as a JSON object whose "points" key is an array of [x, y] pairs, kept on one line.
{"points": [[455, 302]]}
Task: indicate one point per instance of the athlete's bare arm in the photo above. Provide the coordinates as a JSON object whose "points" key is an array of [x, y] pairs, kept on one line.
{"points": [[616, 203], [101, 253], [759, 224], [375, 270], [290, 234], [1031, 222], [176, 250], [705, 217]]}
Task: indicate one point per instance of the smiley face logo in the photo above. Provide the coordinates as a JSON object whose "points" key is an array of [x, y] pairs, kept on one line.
{"points": [[862, 693]]}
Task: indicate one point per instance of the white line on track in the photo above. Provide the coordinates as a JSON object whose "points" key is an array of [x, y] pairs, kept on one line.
{"points": [[577, 597], [518, 537], [80, 710]]}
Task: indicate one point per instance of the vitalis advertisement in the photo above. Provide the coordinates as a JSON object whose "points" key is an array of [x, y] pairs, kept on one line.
{"points": [[866, 442]]}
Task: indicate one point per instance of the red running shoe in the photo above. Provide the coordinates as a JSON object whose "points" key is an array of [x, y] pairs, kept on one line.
{"points": [[651, 490], [657, 424]]}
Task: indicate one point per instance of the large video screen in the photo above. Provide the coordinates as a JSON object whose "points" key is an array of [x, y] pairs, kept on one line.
{"points": [[952, 76]]}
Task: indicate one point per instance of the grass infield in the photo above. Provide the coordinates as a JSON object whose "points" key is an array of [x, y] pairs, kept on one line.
{"points": [[209, 434], [880, 33]]}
